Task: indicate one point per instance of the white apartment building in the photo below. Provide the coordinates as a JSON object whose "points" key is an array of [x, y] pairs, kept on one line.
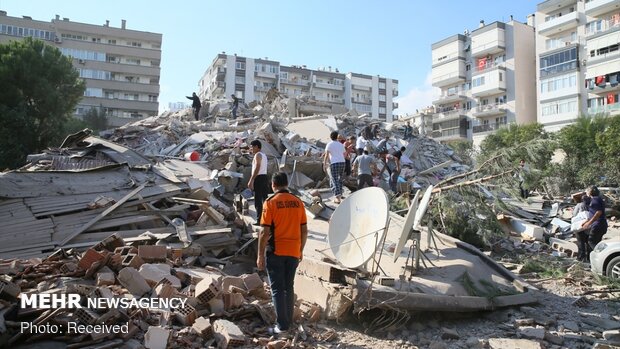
{"points": [[251, 78], [487, 80], [578, 65], [121, 67]]}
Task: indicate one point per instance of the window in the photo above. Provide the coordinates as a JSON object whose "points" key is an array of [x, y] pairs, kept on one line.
{"points": [[284, 75], [240, 65], [112, 41], [559, 107], [558, 83], [134, 44], [152, 98], [382, 85], [501, 76], [240, 79], [467, 67], [559, 62], [93, 92], [381, 110], [382, 98], [479, 81]]}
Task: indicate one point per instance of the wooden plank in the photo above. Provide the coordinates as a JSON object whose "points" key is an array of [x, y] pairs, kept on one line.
{"points": [[103, 214]]}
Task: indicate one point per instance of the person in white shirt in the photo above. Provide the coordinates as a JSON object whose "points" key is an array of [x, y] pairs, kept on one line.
{"points": [[334, 157], [259, 182], [360, 144]]}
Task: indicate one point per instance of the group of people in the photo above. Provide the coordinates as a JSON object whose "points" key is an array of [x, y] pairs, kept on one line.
{"points": [[595, 226], [346, 156], [197, 105]]}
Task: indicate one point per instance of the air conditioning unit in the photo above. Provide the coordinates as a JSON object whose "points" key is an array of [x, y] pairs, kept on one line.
{"points": [[81, 61], [57, 40]]}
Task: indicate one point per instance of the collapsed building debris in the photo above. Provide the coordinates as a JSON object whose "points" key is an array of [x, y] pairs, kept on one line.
{"points": [[157, 208]]}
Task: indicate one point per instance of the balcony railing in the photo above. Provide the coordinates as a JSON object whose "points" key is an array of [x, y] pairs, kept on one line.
{"points": [[490, 109], [361, 100], [450, 76], [394, 105], [328, 86], [606, 25], [607, 108], [395, 93], [487, 67], [488, 127], [461, 132], [449, 114], [297, 82]]}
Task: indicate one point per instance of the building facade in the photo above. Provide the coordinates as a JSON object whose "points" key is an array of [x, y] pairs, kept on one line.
{"points": [[578, 65], [121, 67], [251, 78], [487, 81]]}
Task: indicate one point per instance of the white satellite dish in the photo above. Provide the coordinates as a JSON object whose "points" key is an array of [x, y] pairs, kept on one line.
{"points": [[357, 226], [422, 207], [407, 226]]}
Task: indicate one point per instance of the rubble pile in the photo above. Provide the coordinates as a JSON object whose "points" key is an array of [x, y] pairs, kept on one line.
{"points": [[153, 294]]}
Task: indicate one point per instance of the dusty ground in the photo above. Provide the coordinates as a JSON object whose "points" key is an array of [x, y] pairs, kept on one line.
{"points": [[555, 322]]}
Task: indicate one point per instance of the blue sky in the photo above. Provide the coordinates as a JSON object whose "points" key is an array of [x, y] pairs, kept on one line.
{"points": [[389, 38]]}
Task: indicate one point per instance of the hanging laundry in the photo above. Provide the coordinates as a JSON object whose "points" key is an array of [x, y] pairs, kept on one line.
{"points": [[482, 62], [600, 80], [611, 98]]}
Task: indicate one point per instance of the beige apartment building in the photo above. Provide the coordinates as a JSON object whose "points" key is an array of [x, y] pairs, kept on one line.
{"points": [[578, 65], [121, 67], [487, 81], [251, 78]]}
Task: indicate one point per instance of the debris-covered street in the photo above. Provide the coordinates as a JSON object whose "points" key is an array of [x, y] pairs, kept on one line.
{"points": [[159, 209]]}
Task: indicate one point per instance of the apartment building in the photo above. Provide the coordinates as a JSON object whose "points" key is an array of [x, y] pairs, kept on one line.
{"points": [[251, 78], [578, 65], [487, 81], [121, 67]]}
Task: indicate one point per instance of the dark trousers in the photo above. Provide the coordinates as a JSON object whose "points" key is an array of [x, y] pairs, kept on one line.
{"points": [[347, 167], [596, 235], [364, 180], [524, 192], [583, 249], [281, 271], [261, 191], [196, 112]]}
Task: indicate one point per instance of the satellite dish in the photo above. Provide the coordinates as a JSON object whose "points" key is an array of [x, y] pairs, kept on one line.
{"points": [[357, 226], [422, 207], [407, 226]]}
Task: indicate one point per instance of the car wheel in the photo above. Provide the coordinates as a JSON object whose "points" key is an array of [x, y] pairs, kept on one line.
{"points": [[613, 268]]}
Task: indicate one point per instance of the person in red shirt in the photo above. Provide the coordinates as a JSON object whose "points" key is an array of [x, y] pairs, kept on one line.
{"points": [[280, 247]]}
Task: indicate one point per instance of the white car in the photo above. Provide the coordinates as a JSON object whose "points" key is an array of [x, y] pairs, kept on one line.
{"points": [[605, 258]]}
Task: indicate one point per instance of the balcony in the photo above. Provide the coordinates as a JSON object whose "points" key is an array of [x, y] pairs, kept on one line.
{"points": [[330, 100], [361, 100], [611, 109], [262, 88], [552, 5], [483, 111], [492, 83], [394, 105], [218, 86], [449, 114], [488, 127], [606, 25], [296, 82], [598, 7], [360, 87], [395, 93], [449, 134], [559, 24], [488, 67], [264, 74], [488, 42], [449, 73], [450, 97], [328, 86]]}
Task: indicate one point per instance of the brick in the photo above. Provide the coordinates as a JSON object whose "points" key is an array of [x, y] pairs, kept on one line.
{"points": [[131, 279], [89, 258], [186, 315], [132, 331], [156, 338], [152, 253], [252, 281], [68, 268], [86, 316], [116, 261], [203, 327], [216, 305], [164, 290], [232, 300], [227, 334], [132, 260], [106, 278], [206, 290], [125, 250], [111, 243]]}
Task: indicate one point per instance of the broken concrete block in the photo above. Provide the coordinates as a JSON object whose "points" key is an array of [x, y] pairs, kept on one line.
{"points": [[106, 278], [448, 333], [252, 281], [163, 290], [152, 253], [111, 243], [228, 281], [156, 338], [206, 290], [131, 279], [89, 258], [508, 343], [66, 268], [86, 316], [227, 334], [203, 327], [216, 305], [532, 332], [154, 273], [232, 300], [8, 289]]}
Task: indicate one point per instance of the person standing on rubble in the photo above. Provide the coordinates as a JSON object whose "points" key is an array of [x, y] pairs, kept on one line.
{"points": [[391, 163], [582, 234], [597, 222], [408, 131], [360, 144], [365, 167], [521, 171], [334, 158], [195, 104], [258, 180], [349, 148], [235, 105], [375, 131], [280, 247], [382, 145]]}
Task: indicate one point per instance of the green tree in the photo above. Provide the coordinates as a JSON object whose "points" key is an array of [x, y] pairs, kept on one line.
{"points": [[96, 119], [40, 89]]}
